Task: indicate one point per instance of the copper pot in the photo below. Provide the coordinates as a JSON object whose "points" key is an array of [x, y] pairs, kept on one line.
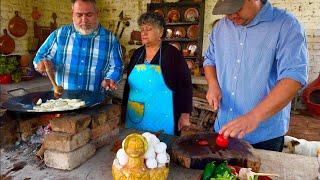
{"points": [[17, 26], [311, 97], [7, 44]]}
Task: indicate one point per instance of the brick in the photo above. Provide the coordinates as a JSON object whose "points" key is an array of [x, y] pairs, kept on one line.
{"points": [[102, 115], [68, 160], [104, 129], [71, 123], [105, 139], [31, 124], [65, 142], [8, 133]]}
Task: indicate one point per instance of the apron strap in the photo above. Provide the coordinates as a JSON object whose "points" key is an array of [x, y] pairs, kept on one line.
{"points": [[160, 57]]}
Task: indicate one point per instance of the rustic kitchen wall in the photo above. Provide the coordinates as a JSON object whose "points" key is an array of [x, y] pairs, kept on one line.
{"points": [[307, 11], [109, 17], [25, 8]]}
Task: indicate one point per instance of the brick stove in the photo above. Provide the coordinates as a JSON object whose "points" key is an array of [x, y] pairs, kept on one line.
{"points": [[74, 138]]}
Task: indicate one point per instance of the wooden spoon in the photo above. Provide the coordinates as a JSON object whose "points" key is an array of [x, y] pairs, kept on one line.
{"points": [[57, 89]]}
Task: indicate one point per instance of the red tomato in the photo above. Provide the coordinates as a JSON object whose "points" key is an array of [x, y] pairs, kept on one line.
{"points": [[5, 79], [222, 142], [203, 142]]}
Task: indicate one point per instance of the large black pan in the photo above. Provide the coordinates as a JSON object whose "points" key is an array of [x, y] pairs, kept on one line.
{"points": [[25, 103]]}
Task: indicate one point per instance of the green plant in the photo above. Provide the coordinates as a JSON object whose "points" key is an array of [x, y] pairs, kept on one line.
{"points": [[10, 65]]}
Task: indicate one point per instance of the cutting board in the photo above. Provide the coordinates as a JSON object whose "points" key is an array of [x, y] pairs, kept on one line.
{"points": [[187, 152]]}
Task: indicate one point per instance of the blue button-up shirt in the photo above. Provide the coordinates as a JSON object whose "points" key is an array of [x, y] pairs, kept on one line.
{"points": [[250, 60], [82, 61]]}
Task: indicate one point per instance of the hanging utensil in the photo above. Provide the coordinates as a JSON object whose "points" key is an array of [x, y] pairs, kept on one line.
{"points": [[118, 25], [17, 26], [126, 24], [7, 44]]}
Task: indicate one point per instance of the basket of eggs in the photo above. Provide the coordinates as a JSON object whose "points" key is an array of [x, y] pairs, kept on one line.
{"points": [[142, 156]]}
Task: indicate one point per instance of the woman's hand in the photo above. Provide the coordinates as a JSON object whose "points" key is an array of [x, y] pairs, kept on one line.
{"points": [[183, 121]]}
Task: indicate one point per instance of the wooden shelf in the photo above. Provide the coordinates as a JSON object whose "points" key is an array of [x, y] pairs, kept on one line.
{"points": [[201, 80], [182, 23], [182, 7], [190, 57], [180, 40]]}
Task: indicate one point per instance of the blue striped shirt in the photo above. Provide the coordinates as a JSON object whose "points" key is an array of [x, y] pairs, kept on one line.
{"points": [[82, 61], [250, 60]]}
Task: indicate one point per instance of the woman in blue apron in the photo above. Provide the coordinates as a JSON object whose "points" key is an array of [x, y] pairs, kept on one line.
{"points": [[158, 92]]}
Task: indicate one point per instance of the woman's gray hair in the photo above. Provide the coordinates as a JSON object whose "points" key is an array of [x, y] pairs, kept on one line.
{"points": [[153, 19]]}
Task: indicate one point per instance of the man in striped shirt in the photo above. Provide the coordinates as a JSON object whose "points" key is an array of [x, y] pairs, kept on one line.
{"points": [[255, 64], [83, 55]]}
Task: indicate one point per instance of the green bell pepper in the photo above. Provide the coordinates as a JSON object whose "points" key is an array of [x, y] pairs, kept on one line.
{"points": [[208, 171]]}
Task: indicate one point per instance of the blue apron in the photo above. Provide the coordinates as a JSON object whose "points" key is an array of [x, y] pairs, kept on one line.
{"points": [[150, 102]]}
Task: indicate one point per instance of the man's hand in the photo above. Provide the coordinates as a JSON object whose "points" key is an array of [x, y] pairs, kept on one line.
{"points": [[43, 65], [240, 126], [109, 84], [184, 121], [214, 96]]}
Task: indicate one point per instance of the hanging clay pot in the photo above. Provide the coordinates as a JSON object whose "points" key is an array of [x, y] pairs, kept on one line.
{"points": [[7, 44], [17, 26], [35, 14]]}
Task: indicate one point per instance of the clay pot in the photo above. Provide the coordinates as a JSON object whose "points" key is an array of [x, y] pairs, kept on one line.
{"points": [[35, 14], [25, 60], [190, 64], [185, 52], [5, 79], [311, 97]]}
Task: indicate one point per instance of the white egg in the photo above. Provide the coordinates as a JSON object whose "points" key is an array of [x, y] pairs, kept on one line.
{"points": [[154, 140], [168, 158], [123, 160], [121, 153], [146, 134], [151, 163], [117, 164], [150, 153], [162, 158], [161, 147], [161, 165]]}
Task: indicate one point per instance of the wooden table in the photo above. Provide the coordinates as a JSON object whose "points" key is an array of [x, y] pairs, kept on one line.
{"points": [[288, 166]]}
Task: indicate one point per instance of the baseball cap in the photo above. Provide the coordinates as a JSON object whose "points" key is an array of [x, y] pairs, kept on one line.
{"points": [[227, 6]]}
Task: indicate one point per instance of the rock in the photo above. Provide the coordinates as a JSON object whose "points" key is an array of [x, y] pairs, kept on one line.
{"points": [[65, 142], [68, 160]]}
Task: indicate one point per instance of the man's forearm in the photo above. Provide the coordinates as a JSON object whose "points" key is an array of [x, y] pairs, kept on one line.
{"points": [[278, 98], [211, 75]]}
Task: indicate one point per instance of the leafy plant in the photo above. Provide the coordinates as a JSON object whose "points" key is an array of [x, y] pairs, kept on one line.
{"points": [[10, 65]]}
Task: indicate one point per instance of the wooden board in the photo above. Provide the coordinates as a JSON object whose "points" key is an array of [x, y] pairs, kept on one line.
{"points": [[187, 152]]}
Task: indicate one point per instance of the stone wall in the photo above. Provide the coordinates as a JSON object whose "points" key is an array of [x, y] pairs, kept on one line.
{"points": [[25, 8], [307, 11]]}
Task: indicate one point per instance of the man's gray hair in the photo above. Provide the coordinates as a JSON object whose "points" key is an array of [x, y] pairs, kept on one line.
{"points": [[92, 1], [153, 19]]}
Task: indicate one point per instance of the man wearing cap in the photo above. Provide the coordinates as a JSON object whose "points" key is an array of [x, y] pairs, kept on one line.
{"points": [[255, 64]]}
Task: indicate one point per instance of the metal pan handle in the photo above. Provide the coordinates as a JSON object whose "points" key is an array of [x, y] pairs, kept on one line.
{"points": [[12, 94]]}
